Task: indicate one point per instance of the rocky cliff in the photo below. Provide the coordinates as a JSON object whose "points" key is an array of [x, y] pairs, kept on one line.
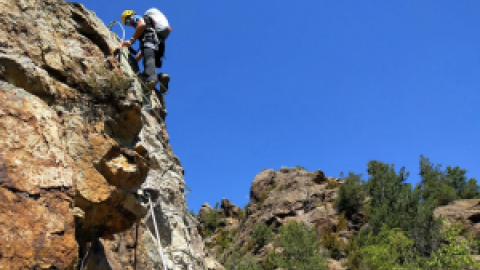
{"points": [[82, 149], [277, 197]]}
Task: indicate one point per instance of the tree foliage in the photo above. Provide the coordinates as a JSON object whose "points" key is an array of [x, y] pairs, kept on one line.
{"points": [[445, 186], [210, 221], [239, 261], [390, 249], [455, 254], [261, 235], [395, 204], [332, 241], [351, 195], [402, 231], [393, 249], [300, 250]]}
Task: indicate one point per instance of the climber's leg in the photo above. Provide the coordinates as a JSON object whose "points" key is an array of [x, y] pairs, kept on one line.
{"points": [[149, 64]]}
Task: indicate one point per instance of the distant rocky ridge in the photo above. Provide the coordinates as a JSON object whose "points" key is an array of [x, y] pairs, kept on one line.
{"points": [[277, 197]]}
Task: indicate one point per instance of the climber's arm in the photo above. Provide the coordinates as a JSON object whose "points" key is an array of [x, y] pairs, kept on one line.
{"points": [[139, 28]]}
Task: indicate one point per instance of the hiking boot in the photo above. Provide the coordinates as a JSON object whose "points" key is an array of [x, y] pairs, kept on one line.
{"points": [[164, 80], [150, 85]]}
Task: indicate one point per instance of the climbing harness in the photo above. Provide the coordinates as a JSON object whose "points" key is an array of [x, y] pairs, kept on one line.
{"points": [[110, 26]]}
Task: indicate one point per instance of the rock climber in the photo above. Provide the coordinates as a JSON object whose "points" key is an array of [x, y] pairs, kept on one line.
{"points": [[152, 29]]}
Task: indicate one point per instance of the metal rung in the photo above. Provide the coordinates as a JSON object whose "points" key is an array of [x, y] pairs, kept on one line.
{"points": [[158, 150], [152, 133], [184, 251], [187, 188], [184, 186], [184, 212], [182, 264], [65, 112], [172, 211]]}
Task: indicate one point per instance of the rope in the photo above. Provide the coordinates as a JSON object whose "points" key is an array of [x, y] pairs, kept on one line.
{"points": [[160, 250], [136, 245], [83, 260], [112, 24]]}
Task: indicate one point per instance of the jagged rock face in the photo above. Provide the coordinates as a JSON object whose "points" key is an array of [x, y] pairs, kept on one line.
{"points": [[292, 194], [75, 153], [276, 198], [204, 210], [465, 212], [54, 65], [37, 230], [229, 210]]}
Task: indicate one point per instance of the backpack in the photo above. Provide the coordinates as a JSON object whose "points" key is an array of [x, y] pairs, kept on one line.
{"points": [[159, 21]]}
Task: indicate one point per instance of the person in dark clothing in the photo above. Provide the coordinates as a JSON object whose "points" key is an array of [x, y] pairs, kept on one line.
{"points": [[151, 29]]}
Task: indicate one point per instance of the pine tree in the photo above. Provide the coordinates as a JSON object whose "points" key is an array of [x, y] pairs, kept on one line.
{"points": [[394, 204], [446, 186], [391, 199], [351, 195]]}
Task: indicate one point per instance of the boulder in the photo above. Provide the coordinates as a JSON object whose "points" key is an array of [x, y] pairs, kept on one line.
{"points": [[465, 212]]}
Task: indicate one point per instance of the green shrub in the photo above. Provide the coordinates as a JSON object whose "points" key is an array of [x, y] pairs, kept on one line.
{"points": [[388, 250], [239, 261], [223, 239], [269, 261], [393, 249], [455, 254], [331, 184], [300, 250], [301, 167], [261, 235], [263, 196], [332, 241], [210, 221], [247, 247], [241, 215], [353, 254]]}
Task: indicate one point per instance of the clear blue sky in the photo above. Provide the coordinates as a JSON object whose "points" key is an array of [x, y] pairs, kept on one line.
{"points": [[322, 84]]}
